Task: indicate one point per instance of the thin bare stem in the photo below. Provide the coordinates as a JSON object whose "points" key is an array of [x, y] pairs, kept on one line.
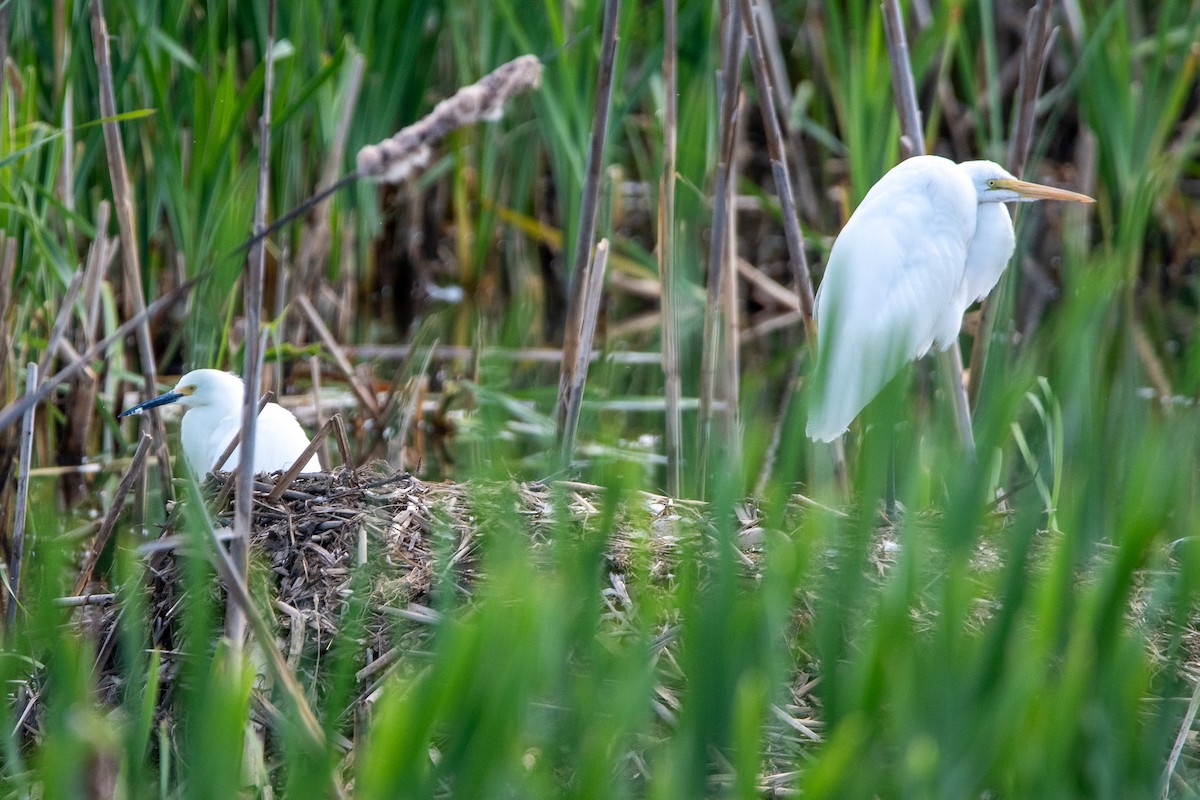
{"points": [[235, 624], [136, 468], [8, 266], [1034, 57], [595, 289], [15, 566], [586, 233], [13, 411], [267, 397], [266, 640], [285, 480], [779, 165], [61, 320], [365, 397], [728, 95], [672, 380], [123, 205], [912, 142], [1181, 738], [314, 248], [5, 10]]}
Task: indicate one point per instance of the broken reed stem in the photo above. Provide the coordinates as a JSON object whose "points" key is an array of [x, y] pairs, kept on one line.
{"points": [[8, 266], [904, 90], [594, 291], [343, 443], [285, 480], [314, 248], [727, 96], [790, 385], [22, 508], [13, 411], [267, 397], [5, 9], [1034, 57], [779, 165], [123, 205], [669, 304], [1185, 728], [284, 678], [728, 388], [365, 397], [794, 236], [803, 188], [586, 232], [235, 624], [136, 468], [61, 319], [913, 141], [79, 600], [536, 355]]}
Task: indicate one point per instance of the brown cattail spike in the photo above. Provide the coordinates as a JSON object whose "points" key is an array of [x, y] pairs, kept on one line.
{"points": [[395, 159]]}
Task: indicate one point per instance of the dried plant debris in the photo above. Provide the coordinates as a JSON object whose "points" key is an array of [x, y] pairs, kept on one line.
{"points": [[386, 540]]}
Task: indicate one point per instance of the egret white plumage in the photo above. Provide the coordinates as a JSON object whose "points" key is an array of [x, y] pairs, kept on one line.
{"points": [[214, 415], [929, 239]]}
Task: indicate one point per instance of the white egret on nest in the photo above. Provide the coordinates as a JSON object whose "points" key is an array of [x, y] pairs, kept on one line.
{"points": [[928, 240], [214, 415]]}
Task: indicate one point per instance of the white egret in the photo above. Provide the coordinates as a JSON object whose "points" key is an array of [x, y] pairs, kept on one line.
{"points": [[929, 239], [214, 415]]}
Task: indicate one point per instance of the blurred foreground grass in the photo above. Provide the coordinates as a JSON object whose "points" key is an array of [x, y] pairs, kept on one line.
{"points": [[1043, 646]]}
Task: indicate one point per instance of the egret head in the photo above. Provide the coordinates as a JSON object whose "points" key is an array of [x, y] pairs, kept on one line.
{"points": [[994, 184], [200, 387]]}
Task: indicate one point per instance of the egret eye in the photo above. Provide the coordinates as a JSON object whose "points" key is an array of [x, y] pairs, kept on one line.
{"points": [[992, 183]]}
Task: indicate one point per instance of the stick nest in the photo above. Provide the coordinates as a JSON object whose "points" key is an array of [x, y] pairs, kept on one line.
{"points": [[385, 538]]}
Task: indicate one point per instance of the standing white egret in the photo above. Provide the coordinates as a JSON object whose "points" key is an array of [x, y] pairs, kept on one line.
{"points": [[928, 240], [214, 415]]}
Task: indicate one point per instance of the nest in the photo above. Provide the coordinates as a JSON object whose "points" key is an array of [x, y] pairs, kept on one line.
{"points": [[367, 546]]}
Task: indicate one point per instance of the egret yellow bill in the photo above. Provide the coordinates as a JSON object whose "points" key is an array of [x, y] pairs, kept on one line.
{"points": [[214, 415], [929, 239]]}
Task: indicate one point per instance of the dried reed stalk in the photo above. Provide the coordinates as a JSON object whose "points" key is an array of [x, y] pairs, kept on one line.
{"points": [[123, 204], [719, 235], [803, 188], [586, 232], [1185, 729], [672, 380], [533, 355], [365, 396], [13, 411], [267, 397], [289, 475], [22, 507], [728, 388], [314, 248], [8, 266], [61, 320], [1034, 57], [239, 551], [136, 467], [284, 678], [80, 411], [912, 142], [797, 258], [594, 290], [5, 9]]}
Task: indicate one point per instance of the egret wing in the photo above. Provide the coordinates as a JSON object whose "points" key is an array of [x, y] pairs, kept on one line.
{"points": [[893, 287]]}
